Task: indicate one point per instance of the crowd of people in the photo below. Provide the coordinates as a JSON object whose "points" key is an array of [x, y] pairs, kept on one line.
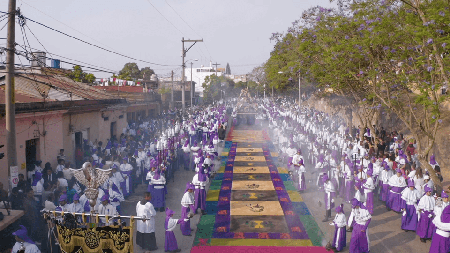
{"points": [[149, 151], [359, 167]]}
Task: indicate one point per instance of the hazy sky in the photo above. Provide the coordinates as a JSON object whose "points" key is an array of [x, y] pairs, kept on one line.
{"points": [[234, 31]]}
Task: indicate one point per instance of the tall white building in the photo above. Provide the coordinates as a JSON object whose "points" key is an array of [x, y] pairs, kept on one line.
{"points": [[199, 74]]}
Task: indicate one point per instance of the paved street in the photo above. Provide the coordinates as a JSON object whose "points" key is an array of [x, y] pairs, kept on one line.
{"points": [[385, 234], [175, 191]]}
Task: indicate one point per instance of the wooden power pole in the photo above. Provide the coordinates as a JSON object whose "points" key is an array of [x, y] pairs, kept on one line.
{"points": [[9, 90], [183, 66]]}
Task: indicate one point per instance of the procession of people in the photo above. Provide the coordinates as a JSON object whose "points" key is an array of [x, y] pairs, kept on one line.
{"points": [[363, 168]]}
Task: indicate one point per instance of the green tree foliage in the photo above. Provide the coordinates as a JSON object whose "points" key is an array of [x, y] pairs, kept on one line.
{"points": [[215, 85], [146, 73], [383, 56], [78, 75], [130, 71]]}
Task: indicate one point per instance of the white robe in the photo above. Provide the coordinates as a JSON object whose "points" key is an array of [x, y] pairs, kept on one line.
{"points": [[149, 212]]}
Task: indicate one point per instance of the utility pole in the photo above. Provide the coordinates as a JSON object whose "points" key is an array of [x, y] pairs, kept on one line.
{"points": [[183, 66], [172, 103], [9, 90], [216, 67], [192, 92]]}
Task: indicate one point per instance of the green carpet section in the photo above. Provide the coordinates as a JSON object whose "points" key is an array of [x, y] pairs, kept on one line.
{"points": [[289, 186], [314, 233]]}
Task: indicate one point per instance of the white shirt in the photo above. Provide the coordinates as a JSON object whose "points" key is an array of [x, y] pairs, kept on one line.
{"points": [[29, 248], [368, 185], [188, 199], [106, 210], [62, 182], [171, 224], [340, 220], [199, 184], [410, 197], [75, 208], [396, 181], [296, 159], [149, 212], [126, 167], [426, 203]]}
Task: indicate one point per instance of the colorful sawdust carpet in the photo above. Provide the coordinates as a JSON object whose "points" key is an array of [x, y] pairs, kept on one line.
{"points": [[252, 205]]}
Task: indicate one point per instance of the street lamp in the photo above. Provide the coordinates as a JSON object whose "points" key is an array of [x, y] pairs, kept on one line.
{"points": [[299, 93]]}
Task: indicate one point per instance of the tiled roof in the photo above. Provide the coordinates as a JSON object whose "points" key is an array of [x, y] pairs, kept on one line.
{"points": [[20, 98], [55, 87], [137, 89]]}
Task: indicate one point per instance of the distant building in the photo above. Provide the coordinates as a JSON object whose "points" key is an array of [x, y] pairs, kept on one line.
{"points": [[237, 78], [199, 74]]}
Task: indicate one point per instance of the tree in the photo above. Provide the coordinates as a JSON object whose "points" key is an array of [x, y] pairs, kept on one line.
{"points": [[228, 69], [380, 55], [146, 73], [217, 86], [130, 71], [78, 75]]}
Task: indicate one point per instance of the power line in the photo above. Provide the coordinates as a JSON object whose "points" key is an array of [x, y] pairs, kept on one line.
{"points": [[91, 44], [65, 24], [181, 18], [164, 17]]}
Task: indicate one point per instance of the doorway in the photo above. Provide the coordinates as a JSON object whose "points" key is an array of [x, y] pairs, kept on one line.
{"points": [[113, 130], [78, 149], [31, 147]]}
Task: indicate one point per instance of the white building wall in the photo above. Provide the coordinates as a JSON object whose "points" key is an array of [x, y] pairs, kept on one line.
{"points": [[198, 76]]}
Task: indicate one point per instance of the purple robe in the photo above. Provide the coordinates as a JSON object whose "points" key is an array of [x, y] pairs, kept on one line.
{"points": [[329, 205], [409, 220], [394, 201], [170, 242], [185, 226], [424, 227], [130, 183], [369, 202], [349, 190], [359, 242], [341, 187], [158, 196], [439, 244], [200, 199], [340, 237], [186, 160]]}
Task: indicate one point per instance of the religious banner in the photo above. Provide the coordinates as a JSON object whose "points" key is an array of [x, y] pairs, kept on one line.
{"points": [[113, 239]]}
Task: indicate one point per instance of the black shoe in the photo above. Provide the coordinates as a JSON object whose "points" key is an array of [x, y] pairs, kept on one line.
{"points": [[204, 212], [423, 240], [350, 229]]}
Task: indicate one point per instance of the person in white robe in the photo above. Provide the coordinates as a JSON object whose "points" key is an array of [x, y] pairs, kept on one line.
{"points": [[145, 236], [23, 242]]}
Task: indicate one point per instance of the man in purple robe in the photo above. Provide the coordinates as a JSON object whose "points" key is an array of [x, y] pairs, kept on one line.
{"points": [[396, 184], [170, 241], [426, 207], [340, 235], [410, 197], [187, 204], [441, 237], [359, 243]]}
